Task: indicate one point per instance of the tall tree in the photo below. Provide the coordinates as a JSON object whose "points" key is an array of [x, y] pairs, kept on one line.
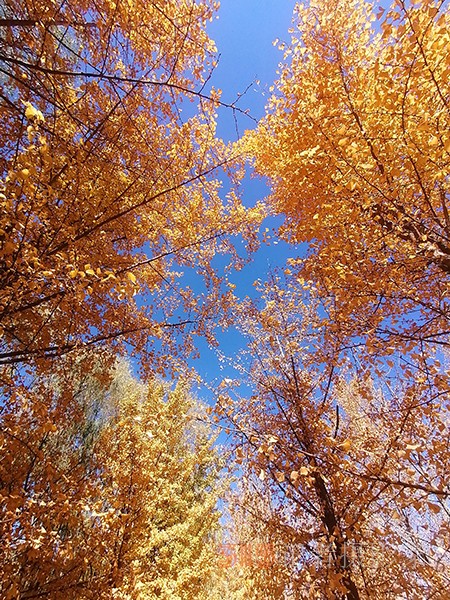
{"points": [[355, 467], [354, 447], [356, 146], [105, 184], [47, 477], [109, 490], [161, 478]]}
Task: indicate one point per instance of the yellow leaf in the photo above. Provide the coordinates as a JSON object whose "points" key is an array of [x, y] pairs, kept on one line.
{"points": [[346, 445], [30, 111], [33, 113], [279, 476], [434, 141], [131, 277], [412, 446]]}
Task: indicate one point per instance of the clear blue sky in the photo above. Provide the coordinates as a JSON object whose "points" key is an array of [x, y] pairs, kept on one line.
{"points": [[244, 33]]}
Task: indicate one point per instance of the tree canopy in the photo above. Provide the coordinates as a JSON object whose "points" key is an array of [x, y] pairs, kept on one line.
{"points": [[109, 490], [355, 144], [105, 184], [117, 198]]}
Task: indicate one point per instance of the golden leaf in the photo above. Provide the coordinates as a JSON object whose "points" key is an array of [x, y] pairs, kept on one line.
{"points": [[279, 476]]}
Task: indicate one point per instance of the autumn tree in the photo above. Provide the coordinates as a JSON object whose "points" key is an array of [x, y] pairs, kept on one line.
{"points": [[107, 177], [109, 190], [46, 479], [356, 147], [253, 561], [109, 489], [355, 466], [161, 479], [346, 425]]}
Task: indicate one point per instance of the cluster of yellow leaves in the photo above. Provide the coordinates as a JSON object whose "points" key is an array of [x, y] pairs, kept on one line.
{"points": [[109, 490], [108, 188], [105, 186], [356, 144], [350, 447]]}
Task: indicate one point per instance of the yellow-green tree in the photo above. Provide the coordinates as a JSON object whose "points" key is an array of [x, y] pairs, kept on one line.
{"points": [[356, 146], [109, 490], [161, 479]]}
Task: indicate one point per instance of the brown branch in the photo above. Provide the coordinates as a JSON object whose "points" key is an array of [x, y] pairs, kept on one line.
{"points": [[402, 484], [33, 22], [143, 202], [117, 78]]}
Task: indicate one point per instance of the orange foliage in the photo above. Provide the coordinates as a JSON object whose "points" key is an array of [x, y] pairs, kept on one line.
{"points": [[347, 425], [105, 185], [108, 489], [356, 146], [108, 191], [347, 473]]}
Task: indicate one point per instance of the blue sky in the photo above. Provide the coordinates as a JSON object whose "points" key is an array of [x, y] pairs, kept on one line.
{"points": [[244, 33]]}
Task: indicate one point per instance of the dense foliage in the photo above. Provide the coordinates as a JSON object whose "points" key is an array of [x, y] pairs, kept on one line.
{"points": [[339, 406], [109, 490]]}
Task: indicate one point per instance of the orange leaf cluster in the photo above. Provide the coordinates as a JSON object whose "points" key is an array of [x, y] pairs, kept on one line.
{"points": [[346, 431], [346, 471], [108, 489], [105, 186], [356, 144]]}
